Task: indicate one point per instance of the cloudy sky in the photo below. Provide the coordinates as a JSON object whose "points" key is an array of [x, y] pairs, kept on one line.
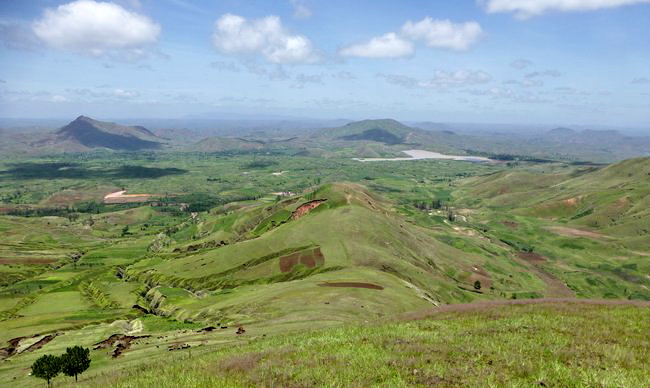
{"points": [[498, 61]]}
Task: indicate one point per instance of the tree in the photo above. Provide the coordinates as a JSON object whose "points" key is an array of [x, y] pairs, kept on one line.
{"points": [[75, 361], [477, 285], [46, 367]]}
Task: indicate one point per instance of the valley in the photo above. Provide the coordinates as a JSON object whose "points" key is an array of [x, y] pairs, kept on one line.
{"points": [[138, 254]]}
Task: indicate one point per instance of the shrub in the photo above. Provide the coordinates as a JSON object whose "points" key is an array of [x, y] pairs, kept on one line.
{"points": [[46, 367], [75, 361]]}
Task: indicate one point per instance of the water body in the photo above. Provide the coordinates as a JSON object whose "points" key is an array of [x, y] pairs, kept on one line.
{"points": [[421, 154]]}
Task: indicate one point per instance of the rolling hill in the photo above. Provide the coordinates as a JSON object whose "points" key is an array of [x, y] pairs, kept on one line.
{"points": [[85, 133]]}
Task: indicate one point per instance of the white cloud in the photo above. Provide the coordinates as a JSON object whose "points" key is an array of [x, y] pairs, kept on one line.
{"points": [[301, 80], [95, 95], [507, 94], [527, 8], [545, 73], [443, 33], [300, 9], [266, 37], [521, 64], [96, 29], [441, 79], [526, 83], [121, 93], [59, 98], [344, 76], [226, 66], [389, 45]]}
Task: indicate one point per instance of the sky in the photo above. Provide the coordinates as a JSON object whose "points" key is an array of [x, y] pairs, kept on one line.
{"points": [[556, 62]]}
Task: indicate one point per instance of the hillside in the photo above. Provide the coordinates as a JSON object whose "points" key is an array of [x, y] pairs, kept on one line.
{"points": [[137, 282], [562, 344], [613, 199], [590, 224], [85, 133]]}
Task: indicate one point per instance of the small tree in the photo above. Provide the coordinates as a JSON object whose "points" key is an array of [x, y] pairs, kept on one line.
{"points": [[46, 367], [75, 361], [477, 285]]}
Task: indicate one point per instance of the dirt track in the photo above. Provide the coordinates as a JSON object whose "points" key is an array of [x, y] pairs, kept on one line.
{"points": [[556, 288]]}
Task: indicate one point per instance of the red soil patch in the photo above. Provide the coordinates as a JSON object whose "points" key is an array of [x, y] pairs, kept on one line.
{"points": [[510, 224], [40, 343], [27, 260], [12, 348], [305, 208], [310, 258], [121, 342], [531, 257], [571, 201], [353, 285]]}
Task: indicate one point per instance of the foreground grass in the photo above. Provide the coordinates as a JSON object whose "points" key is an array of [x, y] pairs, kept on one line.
{"points": [[550, 345]]}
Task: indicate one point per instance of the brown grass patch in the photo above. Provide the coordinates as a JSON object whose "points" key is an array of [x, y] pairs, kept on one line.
{"points": [[310, 258], [531, 257], [510, 224], [573, 232], [243, 363], [353, 285], [27, 260]]}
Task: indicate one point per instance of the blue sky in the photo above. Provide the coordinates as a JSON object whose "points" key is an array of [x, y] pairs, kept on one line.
{"points": [[553, 62]]}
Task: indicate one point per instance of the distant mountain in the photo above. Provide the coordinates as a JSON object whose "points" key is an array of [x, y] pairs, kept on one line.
{"points": [[386, 131], [561, 132], [217, 144], [91, 133]]}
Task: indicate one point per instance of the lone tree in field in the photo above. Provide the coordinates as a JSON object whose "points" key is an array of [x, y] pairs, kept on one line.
{"points": [[75, 361], [477, 285], [46, 367]]}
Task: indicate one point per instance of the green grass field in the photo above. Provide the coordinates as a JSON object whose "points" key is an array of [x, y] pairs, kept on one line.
{"points": [[386, 239], [550, 344]]}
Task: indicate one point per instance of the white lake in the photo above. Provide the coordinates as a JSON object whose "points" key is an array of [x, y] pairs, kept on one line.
{"points": [[421, 154]]}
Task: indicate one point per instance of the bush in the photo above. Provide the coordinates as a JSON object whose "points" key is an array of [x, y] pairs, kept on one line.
{"points": [[75, 361], [46, 367]]}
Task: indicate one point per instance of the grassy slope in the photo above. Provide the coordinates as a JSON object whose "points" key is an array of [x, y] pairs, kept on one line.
{"points": [[590, 226], [363, 240], [557, 345]]}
